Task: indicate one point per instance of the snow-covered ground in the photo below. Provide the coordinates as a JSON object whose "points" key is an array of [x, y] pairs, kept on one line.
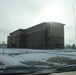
{"points": [[14, 57], [8, 60], [33, 56]]}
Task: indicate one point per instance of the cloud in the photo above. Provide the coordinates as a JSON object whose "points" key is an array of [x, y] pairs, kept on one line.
{"points": [[15, 14]]}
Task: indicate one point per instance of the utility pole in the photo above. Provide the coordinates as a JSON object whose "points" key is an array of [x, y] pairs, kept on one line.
{"points": [[74, 23]]}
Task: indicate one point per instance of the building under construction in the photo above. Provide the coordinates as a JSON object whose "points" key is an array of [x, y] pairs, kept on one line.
{"points": [[47, 35]]}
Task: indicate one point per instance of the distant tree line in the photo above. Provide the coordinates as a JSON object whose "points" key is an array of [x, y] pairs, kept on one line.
{"points": [[70, 46]]}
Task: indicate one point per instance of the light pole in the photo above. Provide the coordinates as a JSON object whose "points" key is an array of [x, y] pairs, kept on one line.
{"points": [[74, 23]]}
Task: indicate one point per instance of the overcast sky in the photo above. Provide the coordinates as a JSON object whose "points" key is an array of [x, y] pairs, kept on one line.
{"points": [[16, 14]]}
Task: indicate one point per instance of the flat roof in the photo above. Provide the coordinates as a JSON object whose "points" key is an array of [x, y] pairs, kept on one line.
{"points": [[16, 31], [35, 26]]}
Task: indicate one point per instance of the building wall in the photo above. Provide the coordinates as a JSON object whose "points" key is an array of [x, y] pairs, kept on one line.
{"points": [[16, 39], [55, 35], [42, 36], [35, 36]]}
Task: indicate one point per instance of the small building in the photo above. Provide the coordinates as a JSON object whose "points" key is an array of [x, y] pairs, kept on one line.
{"points": [[46, 35]]}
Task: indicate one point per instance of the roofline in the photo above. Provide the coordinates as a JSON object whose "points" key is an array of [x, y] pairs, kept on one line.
{"points": [[37, 25], [55, 22], [16, 30]]}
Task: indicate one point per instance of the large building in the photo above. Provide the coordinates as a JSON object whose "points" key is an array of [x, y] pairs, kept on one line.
{"points": [[47, 35]]}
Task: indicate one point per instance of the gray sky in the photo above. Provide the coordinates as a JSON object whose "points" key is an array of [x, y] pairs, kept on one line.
{"points": [[15, 14]]}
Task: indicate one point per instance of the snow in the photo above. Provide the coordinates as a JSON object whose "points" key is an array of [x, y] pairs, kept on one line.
{"points": [[14, 57], [34, 56], [9, 61], [7, 51]]}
